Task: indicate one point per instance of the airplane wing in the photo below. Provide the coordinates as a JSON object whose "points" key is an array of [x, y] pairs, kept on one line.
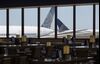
{"points": [[70, 31], [82, 33]]}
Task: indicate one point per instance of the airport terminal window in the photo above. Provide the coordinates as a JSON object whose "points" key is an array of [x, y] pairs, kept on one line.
{"points": [[14, 22], [84, 21], [30, 19], [47, 22], [3, 23], [65, 15]]}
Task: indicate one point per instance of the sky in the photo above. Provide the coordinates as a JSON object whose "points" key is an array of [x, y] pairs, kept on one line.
{"points": [[84, 16]]}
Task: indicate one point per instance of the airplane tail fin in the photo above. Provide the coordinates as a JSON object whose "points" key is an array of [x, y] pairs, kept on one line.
{"points": [[49, 19], [61, 26]]}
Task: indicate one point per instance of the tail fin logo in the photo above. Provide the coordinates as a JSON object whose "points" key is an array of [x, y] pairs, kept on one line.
{"points": [[61, 26]]}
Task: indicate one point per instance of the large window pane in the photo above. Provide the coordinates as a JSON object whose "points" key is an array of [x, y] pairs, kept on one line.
{"points": [[14, 22], [2, 23], [30, 18], [65, 16], [84, 18], [47, 22]]}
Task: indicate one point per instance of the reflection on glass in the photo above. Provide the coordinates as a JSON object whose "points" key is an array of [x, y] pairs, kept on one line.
{"points": [[47, 22], [65, 21], [14, 22], [2, 23], [30, 17], [84, 21]]}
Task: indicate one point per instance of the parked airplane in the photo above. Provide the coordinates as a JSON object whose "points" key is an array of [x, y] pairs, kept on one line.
{"points": [[31, 31], [80, 33], [63, 31], [45, 31]]}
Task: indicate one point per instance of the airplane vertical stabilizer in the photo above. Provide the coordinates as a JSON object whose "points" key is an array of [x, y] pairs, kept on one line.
{"points": [[61, 26], [49, 19]]}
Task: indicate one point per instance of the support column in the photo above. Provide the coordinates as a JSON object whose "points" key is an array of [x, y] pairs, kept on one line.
{"points": [[38, 22], [56, 22], [22, 26], [7, 23], [74, 22], [94, 18]]}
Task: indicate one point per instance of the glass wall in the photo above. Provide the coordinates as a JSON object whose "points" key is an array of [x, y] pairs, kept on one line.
{"points": [[84, 21], [14, 22], [30, 19], [2, 23]]}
